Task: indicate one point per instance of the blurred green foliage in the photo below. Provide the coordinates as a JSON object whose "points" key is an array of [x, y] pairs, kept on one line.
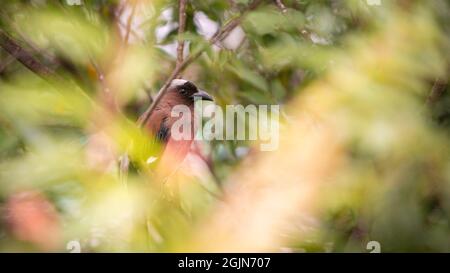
{"points": [[378, 63]]}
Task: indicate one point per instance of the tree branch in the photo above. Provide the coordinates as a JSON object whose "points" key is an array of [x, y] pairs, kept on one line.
{"points": [[181, 29], [132, 31], [281, 6], [129, 22], [23, 56], [219, 36], [437, 90], [29, 61]]}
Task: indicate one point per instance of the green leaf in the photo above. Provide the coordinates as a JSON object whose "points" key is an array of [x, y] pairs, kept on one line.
{"points": [[249, 76]]}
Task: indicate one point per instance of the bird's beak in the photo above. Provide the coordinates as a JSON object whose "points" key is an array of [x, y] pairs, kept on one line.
{"points": [[202, 95]]}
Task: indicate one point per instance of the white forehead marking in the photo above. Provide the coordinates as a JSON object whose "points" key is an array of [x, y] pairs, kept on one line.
{"points": [[177, 82]]}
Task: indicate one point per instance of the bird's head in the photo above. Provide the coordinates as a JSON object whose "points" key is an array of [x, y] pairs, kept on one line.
{"points": [[187, 92]]}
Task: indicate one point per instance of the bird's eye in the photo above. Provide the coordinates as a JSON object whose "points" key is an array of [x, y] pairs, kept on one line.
{"points": [[183, 91]]}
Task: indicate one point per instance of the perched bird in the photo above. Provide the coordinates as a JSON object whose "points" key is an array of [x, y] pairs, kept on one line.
{"points": [[159, 124]]}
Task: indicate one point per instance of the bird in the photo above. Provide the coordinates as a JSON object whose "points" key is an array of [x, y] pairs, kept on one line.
{"points": [[159, 124]]}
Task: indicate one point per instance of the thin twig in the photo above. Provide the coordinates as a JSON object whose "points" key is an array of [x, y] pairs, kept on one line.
{"points": [[233, 23], [181, 29], [132, 31], [281, 6], [219, 36], [34, 65], [30, 44], [129, 22], [437, 90], [23, 56], [146, 115]]}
